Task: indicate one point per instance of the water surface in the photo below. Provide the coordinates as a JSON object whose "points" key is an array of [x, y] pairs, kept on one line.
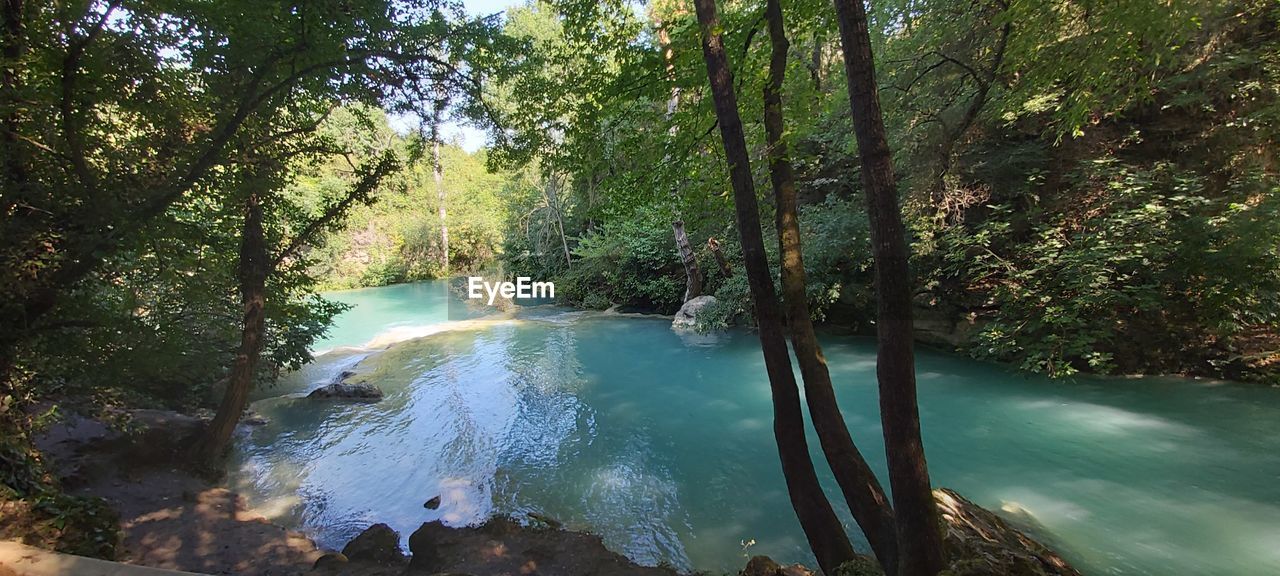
{"points": [[661, 442]]}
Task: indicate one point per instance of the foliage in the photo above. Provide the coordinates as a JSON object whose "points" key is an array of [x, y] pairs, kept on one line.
{"points": [[397, 238], [1155, 273], [627, 261], [131, 132]]}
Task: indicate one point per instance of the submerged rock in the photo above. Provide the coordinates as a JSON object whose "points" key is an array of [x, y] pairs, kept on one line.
{"points": [[359, 391], [687, 316], [378, 543], [547, 520], [979, 543], [252, 418]]}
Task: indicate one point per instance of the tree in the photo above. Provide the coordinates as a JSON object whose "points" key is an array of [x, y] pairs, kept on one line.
{"points": [[179, 80], [821, 526], [919, 539], [262, 184], [861, 489]]}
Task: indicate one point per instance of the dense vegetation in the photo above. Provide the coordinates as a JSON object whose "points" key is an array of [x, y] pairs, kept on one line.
{"points": [[1085, 185]]}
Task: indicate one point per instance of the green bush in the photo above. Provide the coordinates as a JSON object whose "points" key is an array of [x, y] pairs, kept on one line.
{"points": [[627, 261], [1155, 272]]}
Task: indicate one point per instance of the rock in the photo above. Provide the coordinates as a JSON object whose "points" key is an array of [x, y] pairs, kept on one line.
{"points": [[549, 521], [252, 418], [330, 560], [687, 316], [432, 504], [378, 543], [765, 566], [761, 566], [503, 546], [944, 328], [360, 391], [980, 543]]}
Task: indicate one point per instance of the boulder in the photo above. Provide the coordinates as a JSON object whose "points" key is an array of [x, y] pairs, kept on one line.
{"points": [[378, 543], [765, 566], [330, 561], [252, 418], [504, 546], [945, 328], [363, 391], [980, 543], [687, 316]]}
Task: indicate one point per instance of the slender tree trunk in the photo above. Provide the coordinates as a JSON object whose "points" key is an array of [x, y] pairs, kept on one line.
{"points": [[858, 483], [815, 60], [554, 199], [714, 246], [437, 173], [951, 136], [254, 267], [821, 526], [692, 274], [919, 538]]}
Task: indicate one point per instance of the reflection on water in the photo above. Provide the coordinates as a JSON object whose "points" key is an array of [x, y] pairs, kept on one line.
{"points": [[662, 444]]}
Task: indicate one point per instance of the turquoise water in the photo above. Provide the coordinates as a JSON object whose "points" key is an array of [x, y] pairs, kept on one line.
{"points": [[399, 309], [661, 443]]}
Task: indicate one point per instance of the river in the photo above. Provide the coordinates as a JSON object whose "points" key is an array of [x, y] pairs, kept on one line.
{"points": [[661, 442]]}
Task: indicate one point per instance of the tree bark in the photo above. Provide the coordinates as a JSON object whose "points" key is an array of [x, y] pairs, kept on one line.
{"points": [[919, 538], [692, 274], [714, 246], [821, 526], [554, 199], [437, 174], [861, 489], [254, 267]]}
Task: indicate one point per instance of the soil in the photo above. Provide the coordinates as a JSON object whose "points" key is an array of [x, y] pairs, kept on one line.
{"points": [[170, 517]]}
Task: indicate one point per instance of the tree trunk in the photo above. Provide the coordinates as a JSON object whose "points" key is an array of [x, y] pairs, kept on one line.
{"points": [[919, 539], [254, 268], [554, 200], [714, 246], [821, 526], [692, 274], [858, 483], [438, 174]]}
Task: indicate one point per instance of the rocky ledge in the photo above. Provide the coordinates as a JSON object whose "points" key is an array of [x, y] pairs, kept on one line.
{"points": [[978, 543], [339, 388]]}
